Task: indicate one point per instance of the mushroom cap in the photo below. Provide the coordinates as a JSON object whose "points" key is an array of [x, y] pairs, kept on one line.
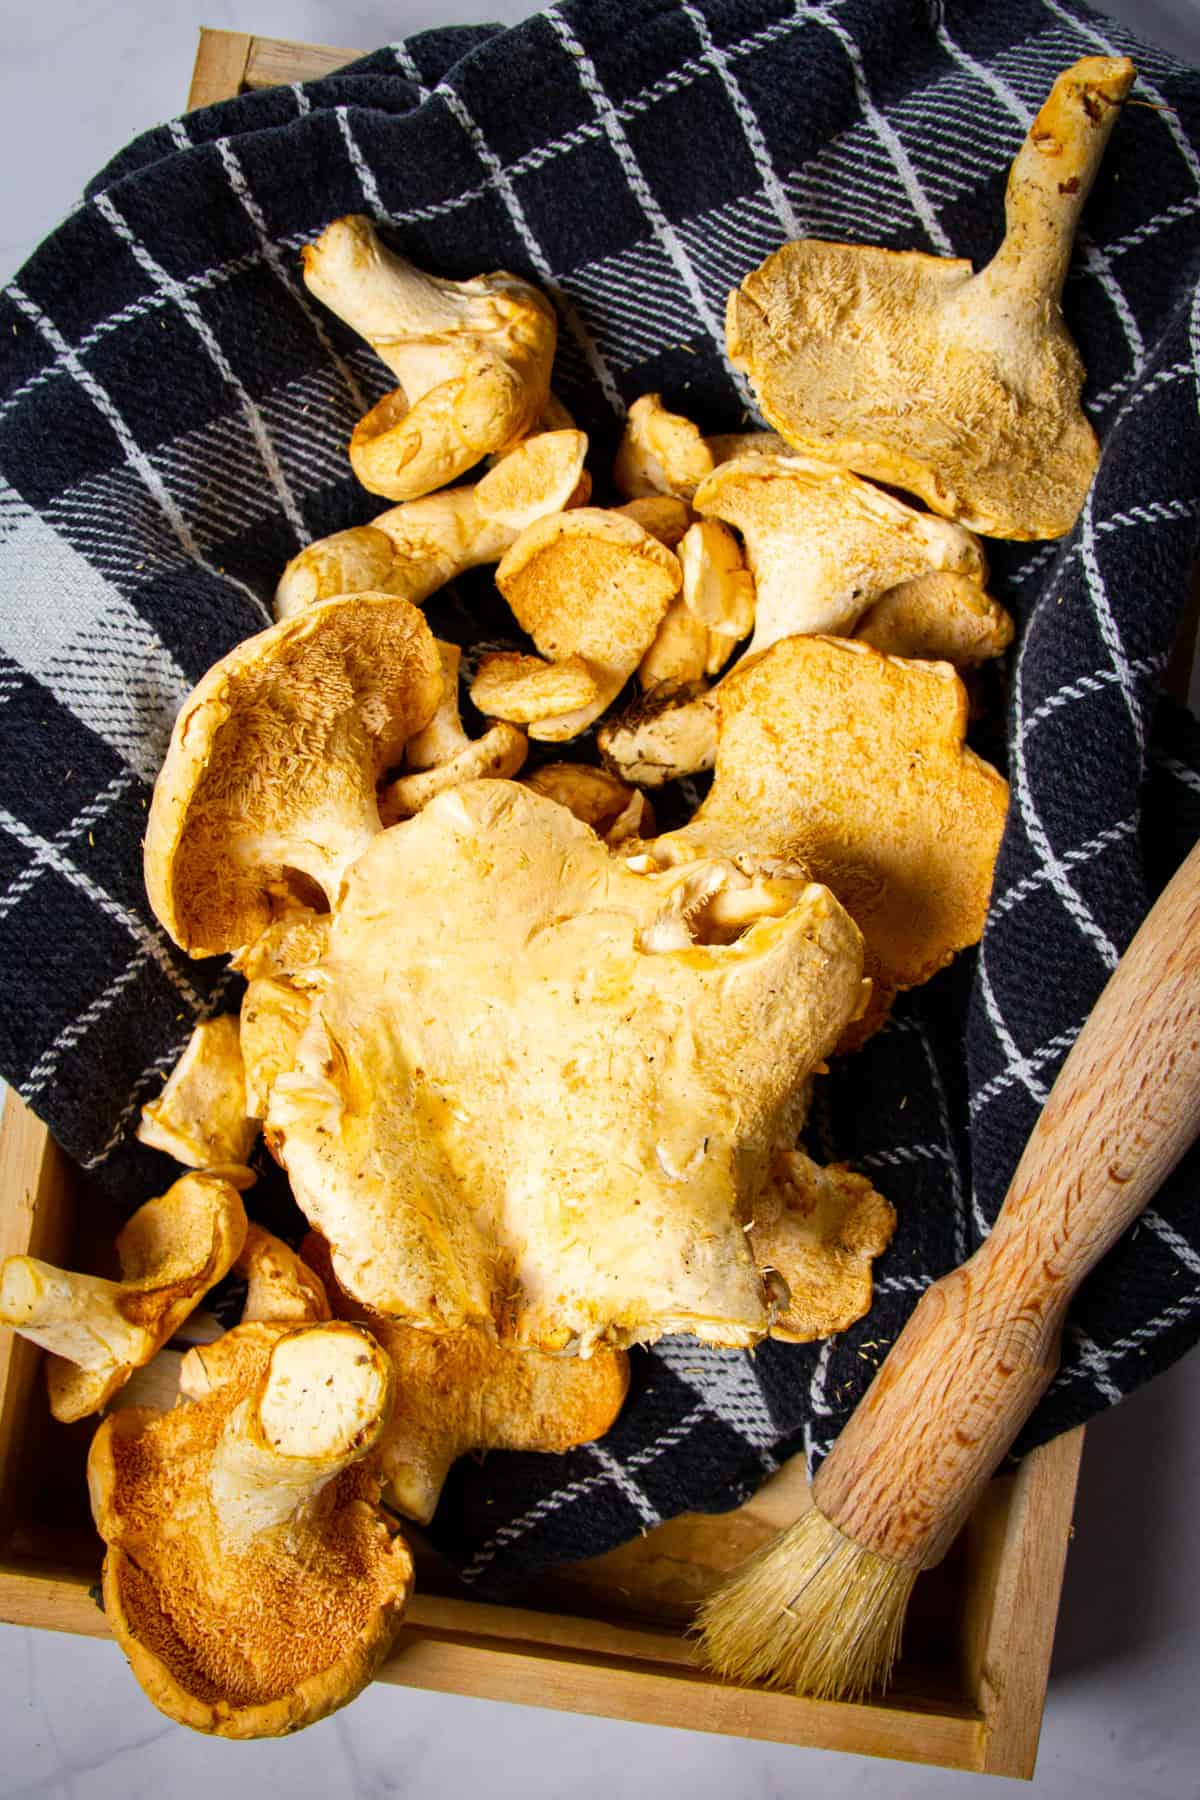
{"points": [[855, 764], [612, 808], [524, 689], [356, 561], [466, 1391], [938, 618], [662, 515], [200, 1118], [594, 584], [660, 452], [172, 1251], [280, 1286], [240, 1640], [822, 545], [473, 358], [681, 651], [274, 1014], [273, 763], [820, 1229], [963, 389], [556, 1083]]}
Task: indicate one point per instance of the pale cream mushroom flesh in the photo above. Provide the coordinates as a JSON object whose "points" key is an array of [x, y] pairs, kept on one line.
{"points": [[854, 766], [550, 1116], [819, 1230], [961, 388], [275, 1004], [614, 810], [201, 1117], [416, 548], [442, 755], [472, 358], [466, 1390], [250, 1576], [171, 1252], [938, 618], [821, 547], [660, 452], [590, 584], [280, 1286], [274, 760]]}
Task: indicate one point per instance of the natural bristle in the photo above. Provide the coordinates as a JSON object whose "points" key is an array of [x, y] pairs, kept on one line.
{"points": [[812, 1611]]}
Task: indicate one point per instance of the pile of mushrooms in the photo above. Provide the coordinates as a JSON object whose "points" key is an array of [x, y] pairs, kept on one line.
{"points": [[535, 1070]]}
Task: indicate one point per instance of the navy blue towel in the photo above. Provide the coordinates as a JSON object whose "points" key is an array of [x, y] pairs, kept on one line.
{"points": [[173, 415]]}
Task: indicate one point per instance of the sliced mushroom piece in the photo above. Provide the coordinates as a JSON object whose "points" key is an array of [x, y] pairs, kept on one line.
{"points": [[961, 388], [281, 1288], [820, 1230], [855, 765], [660, 452], [614, 810], [171, 1252], [728, 444], [681, 652], [473, 359], [274, 760], [201, 1117], [822, 545], [251, 1577], [938, 618], [416, 548], [442, 755], [591, 584], [467, 1391], [554, 1113]]}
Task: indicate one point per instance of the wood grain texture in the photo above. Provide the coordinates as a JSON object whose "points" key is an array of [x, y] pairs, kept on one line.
{"points": [[274, 60], [983, 1343], [1017, 1540], [220, 67]]}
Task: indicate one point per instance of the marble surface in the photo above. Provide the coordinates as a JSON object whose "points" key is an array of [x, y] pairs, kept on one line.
{"points": [[79, 78]]}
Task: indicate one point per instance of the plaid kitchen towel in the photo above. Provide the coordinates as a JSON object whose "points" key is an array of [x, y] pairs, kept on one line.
{"points": [[173, 414]]}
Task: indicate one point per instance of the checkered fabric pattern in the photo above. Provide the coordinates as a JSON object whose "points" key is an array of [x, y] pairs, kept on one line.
{"points": [[173, 411]]}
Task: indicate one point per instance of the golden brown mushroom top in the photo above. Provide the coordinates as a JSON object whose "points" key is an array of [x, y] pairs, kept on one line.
{"points": [[273, 763], [171, 1252], [538, 1090], [250, 1576], [961, 388], [472, 357]]}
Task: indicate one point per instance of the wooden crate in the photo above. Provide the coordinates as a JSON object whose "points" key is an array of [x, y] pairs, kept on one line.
{"points": [[607, 1636]]}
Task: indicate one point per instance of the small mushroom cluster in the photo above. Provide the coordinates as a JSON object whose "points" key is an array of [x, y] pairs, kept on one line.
{"points": [[536, 1070]]}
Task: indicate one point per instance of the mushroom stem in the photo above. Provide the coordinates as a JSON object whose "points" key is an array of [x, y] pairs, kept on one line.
{"points": [[75, 1316], [323, 1404], [1051, 179]]}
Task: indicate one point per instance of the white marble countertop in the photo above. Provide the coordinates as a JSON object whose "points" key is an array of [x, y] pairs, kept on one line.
{"points": [[1122, 1722]]}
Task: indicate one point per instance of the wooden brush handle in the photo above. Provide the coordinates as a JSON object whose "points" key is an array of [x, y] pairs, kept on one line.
{"points": [[983, 1343]]}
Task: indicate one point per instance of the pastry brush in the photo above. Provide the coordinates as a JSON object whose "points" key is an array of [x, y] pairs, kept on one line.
{"points": [[821, 1608]]}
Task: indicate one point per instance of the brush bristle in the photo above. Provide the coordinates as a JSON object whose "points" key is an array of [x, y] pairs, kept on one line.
{"points": [[811, 1611]]}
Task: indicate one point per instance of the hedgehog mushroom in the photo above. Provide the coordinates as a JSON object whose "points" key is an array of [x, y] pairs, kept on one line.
{"points": [[280, 1286], [466, 1391], [201, 1117], [961, 388], [549, 1116], [472, 357], [821, 547], [275, 1004], [854, 765], [589, 584], [660, 452], [442, 755], [171, 1252], [416, 548], [273, 763], [614, 810], [819, 1230], [250, 1576], [938, 618]]}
